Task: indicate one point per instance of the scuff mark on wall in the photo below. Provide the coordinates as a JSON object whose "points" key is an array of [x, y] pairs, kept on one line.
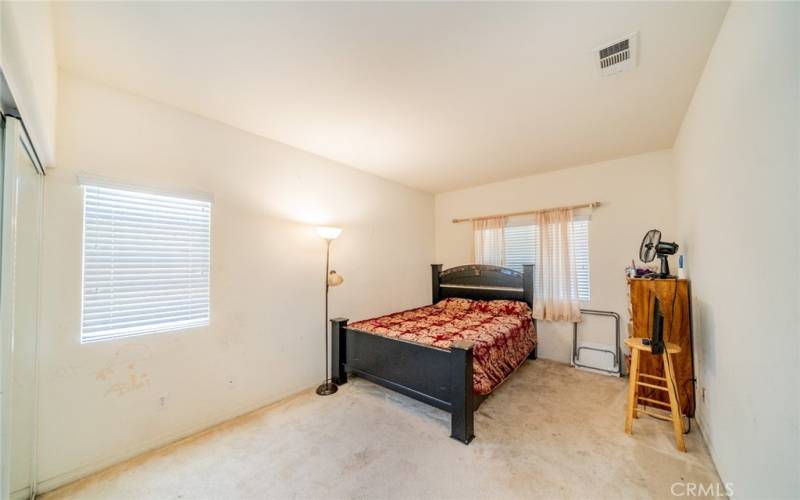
{"points": [[134, 382], [121, 370]]}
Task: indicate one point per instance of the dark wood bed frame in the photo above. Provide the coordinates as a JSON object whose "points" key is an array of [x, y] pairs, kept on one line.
{"points": [[436, 376]]}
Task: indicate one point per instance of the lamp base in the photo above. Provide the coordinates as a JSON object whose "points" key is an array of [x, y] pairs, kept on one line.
{"points": [[327, 389]]}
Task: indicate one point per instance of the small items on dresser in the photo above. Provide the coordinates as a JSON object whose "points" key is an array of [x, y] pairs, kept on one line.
{"points": [[682, 267]]}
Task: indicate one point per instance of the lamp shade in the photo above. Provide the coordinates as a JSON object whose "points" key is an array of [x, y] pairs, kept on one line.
{"points": [[329, 232], [335, 279]]}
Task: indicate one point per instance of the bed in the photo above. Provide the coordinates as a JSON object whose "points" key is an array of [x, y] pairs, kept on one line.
{"points": [[451, 354]]}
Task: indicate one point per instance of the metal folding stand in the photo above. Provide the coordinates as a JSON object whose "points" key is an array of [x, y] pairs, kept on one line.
{"points": [[616, 353]]}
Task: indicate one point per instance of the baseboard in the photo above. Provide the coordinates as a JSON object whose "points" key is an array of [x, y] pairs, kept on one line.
{"points": [[82, 472], [21, 494], [701, 427]]}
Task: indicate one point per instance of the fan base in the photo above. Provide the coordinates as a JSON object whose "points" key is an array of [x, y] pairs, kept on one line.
{"points": [[664, 266]]}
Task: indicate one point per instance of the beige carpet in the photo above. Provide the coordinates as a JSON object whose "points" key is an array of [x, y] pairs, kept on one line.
{"points": [[550, 431]]}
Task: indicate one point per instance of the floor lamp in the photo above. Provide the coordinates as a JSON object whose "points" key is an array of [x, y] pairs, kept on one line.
{"points": [[331, 279]]}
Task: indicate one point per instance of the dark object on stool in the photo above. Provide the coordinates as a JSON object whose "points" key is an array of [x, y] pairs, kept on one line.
{"points": [[657, 340]]}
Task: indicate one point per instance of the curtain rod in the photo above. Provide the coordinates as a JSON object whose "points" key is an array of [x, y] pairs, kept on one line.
{"points": [[513, 214]]}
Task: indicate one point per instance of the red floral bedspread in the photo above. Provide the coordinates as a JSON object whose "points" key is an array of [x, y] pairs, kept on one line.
{"points": [[502, 332]]}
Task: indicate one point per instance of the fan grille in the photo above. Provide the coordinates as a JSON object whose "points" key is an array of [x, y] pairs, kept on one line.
{"points": [[647, 251]]}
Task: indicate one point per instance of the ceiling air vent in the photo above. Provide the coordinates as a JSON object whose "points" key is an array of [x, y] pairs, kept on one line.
{"points": [[618, 56]]}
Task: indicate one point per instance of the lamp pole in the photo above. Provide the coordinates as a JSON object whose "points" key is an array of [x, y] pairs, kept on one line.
{"points": [[327, 387]]}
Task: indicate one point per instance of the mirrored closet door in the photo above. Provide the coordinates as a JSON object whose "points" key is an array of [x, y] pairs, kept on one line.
{"points": [[22, 187]]}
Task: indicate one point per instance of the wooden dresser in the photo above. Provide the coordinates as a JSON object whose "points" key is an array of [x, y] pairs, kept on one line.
{"points": [[677, 329]]}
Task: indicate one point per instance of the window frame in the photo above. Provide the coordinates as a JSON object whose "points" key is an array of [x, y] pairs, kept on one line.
{"points": [[170, 326]]}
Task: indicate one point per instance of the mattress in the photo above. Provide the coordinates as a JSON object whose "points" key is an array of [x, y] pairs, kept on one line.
{"points": [[502, 333]]}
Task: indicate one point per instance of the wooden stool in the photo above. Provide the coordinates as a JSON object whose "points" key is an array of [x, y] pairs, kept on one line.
{"points": [[636, 346]]}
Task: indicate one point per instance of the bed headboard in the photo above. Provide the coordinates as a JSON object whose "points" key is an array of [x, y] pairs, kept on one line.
{"points": [[481, 282]]}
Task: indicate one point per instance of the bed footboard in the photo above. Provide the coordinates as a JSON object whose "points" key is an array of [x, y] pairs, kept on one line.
{"points": [[438, 377]]}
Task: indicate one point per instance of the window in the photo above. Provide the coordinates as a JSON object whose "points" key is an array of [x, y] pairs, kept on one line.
{"points": [[522, 247], [145, 262], [579, 236]]}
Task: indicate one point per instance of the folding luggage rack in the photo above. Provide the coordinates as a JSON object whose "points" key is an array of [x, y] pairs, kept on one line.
{"points": [[616, 353]]}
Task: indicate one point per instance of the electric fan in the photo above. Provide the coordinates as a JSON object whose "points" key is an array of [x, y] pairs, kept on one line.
{"points": [[653, 247]]}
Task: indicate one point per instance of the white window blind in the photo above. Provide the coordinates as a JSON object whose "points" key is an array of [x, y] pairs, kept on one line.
{"points": [[145, 262], [579, 238], [522, 247]]}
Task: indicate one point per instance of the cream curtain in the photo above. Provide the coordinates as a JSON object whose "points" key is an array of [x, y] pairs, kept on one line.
{"points": [[556, 284], [489, 242]]}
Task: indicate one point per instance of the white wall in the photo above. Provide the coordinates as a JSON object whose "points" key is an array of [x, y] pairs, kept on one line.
{"points": [[28, 60], [100, 401], [737, 170], [636, 195]]}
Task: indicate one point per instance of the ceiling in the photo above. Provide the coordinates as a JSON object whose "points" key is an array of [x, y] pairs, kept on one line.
{"points": [[436, 96]]}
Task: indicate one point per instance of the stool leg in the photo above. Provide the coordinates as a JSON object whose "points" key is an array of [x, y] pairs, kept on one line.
{"points": [[636, 394], [633, 378], [677, 424]]}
